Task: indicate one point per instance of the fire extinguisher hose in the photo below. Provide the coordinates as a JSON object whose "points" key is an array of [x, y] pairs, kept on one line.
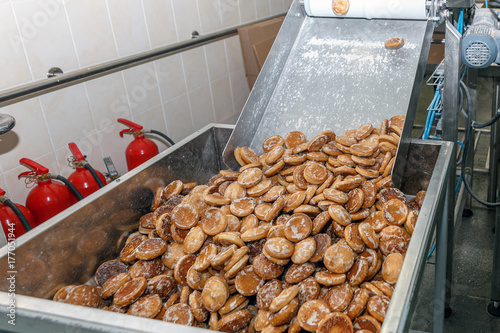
{"points": [[161, 134], [19, 214], [72, 187], [94, 174]]}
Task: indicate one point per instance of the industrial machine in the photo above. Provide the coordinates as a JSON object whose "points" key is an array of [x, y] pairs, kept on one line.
{"points": [[326, 70], [480, 45]]}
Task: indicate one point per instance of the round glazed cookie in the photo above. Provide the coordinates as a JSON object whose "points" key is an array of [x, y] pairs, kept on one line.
{"points": [[109, 269], [130, 291], [323, 242], [179, 314], [358, 303], [303, 251], [234, 191], [393, 239], [196, 305], [391, 267], [182, 267], [339, 215], [247, 282], [286, 314], [284, 298], [317, 142], [368, 235], [84, 295], [298, 272], [267, 293], [148, 306], [113, 284], [394, 43], [184, 216], [265, 268], [339, 257], [377, 307], [353, 238], [339, 296], [327, 278], [298, 227], [234, 321], [315, 173], [163, 285], [311, 313], [261, 320], [358, 272], [308, 290], [395, 212], [278, 247], [356, 200], [335, 322], [250, 177], [242, 207], [390, 193], [294, 139], [146, 268], [272, 142], [215, 293], [367, 323]]}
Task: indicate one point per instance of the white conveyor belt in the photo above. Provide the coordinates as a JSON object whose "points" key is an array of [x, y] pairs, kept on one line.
{"points": [[371, 9]]}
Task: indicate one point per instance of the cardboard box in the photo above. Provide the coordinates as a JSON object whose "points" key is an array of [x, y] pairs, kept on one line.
{"points": [[436, 53], [256, 42]]}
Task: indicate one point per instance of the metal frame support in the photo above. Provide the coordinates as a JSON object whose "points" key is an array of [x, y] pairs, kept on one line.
{"points": [[451, 106], [472, 75], [494, 306], [441, 283], [494, 143]]}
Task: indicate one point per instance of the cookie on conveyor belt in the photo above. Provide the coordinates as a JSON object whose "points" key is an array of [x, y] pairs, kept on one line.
{"points": [[394, 43], [340, 7]]}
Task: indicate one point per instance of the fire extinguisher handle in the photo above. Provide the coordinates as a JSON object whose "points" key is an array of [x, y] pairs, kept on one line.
{"points": [[36, 168], [2, 192], [133, 126], [76, 152]]}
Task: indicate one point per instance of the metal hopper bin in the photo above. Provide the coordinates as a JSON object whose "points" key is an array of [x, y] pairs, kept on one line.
{"points": [[68, 248]]}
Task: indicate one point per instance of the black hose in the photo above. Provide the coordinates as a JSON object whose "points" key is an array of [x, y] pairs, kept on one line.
{"points": [[19, 214], [94, 174], [466, 116], [162, 135], [72, 187], [468, 128]]}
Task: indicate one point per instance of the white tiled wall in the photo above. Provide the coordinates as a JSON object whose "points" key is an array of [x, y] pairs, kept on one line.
{"points": [[176, 95]]}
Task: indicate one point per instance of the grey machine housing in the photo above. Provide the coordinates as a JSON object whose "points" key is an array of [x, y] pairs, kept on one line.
{"points": [[480, 42]]}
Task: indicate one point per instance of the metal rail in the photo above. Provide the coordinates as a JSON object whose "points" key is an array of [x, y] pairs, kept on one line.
{"points": [[38, 88]]}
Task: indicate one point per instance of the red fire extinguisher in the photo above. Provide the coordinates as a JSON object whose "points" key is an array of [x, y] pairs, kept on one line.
{"points": [[47, 198], [16, 219], [141, 149], [85, 178]]}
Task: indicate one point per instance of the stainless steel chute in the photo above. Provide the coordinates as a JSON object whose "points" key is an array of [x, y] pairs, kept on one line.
{"points": [[334, 74]]}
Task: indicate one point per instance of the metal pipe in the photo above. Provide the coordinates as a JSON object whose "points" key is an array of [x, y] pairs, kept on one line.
{"points": [[38, 88]]}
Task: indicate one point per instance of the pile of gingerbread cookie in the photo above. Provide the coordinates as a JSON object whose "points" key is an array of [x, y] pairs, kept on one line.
{"points": [[309, 235]]}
